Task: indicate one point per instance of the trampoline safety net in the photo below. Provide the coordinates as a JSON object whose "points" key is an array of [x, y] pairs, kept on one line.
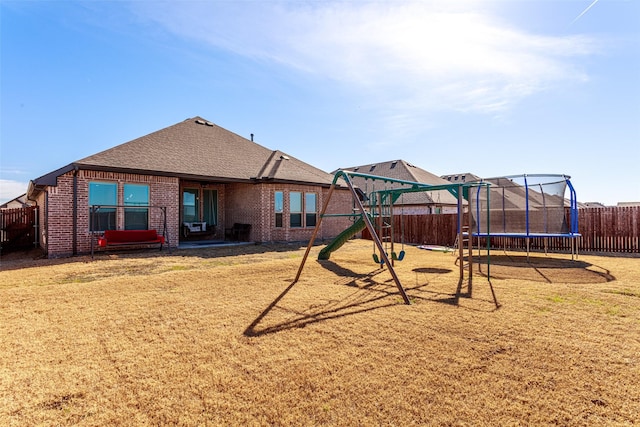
{"points": [[523, 204]]}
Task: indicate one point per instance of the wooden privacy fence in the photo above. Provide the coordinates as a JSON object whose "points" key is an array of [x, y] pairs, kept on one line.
{"points": [[437, 229], [17, 228], [613, 229]]}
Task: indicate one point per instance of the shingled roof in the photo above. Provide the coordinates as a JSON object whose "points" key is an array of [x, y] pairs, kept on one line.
{"points": [[402, 170], [199, 149]]}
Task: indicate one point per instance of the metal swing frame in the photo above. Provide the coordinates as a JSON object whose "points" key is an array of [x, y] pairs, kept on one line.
{"points": [[458, 190]]}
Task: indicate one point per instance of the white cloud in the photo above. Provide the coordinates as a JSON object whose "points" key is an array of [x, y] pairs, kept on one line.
{"points": [[406, 56], [11, 189]]}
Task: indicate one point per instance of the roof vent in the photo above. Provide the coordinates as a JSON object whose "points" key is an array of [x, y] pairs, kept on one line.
{"points": [[200, 122], [372, 168], [393, 164], [208, 123], [284, 157]]}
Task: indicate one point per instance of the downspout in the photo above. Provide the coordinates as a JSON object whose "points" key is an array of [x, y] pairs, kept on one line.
{"points": [[36, 242], [46, 222], [75, 211]]}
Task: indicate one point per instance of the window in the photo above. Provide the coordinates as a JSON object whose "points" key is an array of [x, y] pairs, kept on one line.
{"points": [[102, 194], [295, 209], [278, 207], [190, 205], [310, 216], [136, 218]]}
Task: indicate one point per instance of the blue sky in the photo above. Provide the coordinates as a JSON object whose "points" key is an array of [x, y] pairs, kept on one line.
{"points": [[488, 87]]}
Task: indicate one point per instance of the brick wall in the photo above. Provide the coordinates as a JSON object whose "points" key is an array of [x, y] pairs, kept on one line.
{"points": [[60, 217], [341, 203], [244, 203], [163, 191]]}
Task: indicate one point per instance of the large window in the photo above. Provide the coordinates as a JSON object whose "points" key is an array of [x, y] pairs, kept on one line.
{"points": [[278, 207], [298, 206], [102, 194], [295, 209], [310, 215], [136, 218]]}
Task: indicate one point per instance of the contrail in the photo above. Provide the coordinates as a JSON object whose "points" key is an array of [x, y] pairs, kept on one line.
{"points": [[585, 11]]}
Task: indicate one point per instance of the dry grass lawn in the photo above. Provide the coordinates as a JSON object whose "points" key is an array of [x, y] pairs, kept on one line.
{"points": [[220, 336]]}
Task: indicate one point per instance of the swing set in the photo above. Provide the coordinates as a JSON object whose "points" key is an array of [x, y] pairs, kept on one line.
{"points": [[383, 212], [377, 206]]}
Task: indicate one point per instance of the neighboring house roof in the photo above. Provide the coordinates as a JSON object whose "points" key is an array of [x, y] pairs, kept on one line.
{"points": [[461, 178], [402, 170], [18, 202], [594, 205], [198, 149], [514, 195]]}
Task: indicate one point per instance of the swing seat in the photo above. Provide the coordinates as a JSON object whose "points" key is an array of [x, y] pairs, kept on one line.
{"points": [[377, 260], [397, 257]]}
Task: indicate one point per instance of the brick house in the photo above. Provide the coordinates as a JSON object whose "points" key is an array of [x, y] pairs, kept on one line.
{"points": [[204, 177]]}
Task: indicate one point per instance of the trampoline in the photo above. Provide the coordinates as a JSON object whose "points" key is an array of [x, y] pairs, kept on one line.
{"points": [[524, 206]]}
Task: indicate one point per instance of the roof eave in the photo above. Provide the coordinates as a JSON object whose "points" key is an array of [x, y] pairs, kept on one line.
{"points": [[270, 180], [48, 180]]}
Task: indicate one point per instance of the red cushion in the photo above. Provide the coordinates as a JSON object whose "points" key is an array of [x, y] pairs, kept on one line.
{"points": [[129, 236]]}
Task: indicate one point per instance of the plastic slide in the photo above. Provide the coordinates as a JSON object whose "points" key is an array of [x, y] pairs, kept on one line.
{"points": [[341, 239]]}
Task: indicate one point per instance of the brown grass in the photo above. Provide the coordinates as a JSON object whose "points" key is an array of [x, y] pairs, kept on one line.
{"points": [[221, 337]]}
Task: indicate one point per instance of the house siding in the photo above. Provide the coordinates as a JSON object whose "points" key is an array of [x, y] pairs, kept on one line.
{"points": [[58, 241], [254, 204], [341, 203], [59, 237], [237, 202]]}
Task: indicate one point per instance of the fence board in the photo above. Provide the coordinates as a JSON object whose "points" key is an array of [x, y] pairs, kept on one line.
{"points": [[17, 228], [612, 229]]}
